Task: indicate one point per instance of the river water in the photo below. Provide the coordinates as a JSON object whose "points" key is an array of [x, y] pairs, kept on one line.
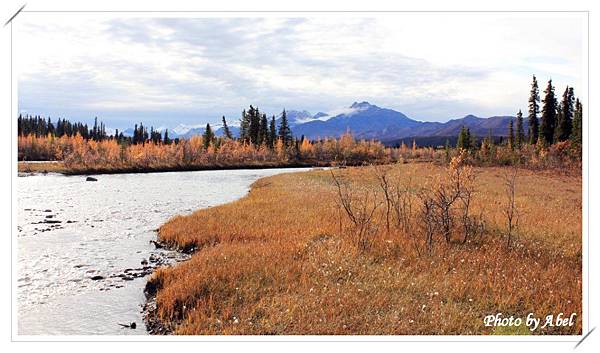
{"points": [[80, 242]]}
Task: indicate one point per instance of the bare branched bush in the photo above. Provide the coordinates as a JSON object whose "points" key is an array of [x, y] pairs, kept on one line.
{"points": [[447, 199], [510, 208], [444, 200], [465, 184], [398, 200], [445, 206], [359, 206], [381, 173], [428, 219], [455, 185], [402, 201]]}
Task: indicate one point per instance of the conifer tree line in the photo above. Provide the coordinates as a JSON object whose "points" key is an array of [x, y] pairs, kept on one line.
{"points": [[41, 127], [255, 129], [559, 121], [141, 135], [38, 126], [550, 122]]}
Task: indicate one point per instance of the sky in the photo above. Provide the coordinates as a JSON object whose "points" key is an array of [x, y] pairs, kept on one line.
{"points": [[166, 71]]}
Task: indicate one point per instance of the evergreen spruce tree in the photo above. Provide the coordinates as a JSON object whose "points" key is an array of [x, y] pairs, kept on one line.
{"points": [[558, 122], [272, 133], [461, 142], [534, 109], [208, 136], [576, 132], [103, 131], [145, 134], [285, 134], [263, 131], [254, 126], [469, 143], [142, 134], [226, 130], [548, 115], [520, 135], [166, 139], [564, 123], [50, 127], [59, 128], [95, 129], [245, 127], [136, 136]]}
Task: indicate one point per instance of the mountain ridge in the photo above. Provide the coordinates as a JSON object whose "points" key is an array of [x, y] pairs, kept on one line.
{"points": [[367, 121]]}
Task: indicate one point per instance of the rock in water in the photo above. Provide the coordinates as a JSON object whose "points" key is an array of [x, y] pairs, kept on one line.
{"points": [[91, 179], [131, 325], [157, 245]]}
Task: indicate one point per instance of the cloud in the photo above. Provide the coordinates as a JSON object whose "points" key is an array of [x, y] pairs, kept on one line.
{"points": [[166, 71]]}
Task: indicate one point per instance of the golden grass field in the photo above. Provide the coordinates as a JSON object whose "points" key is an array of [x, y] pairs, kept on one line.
{"points": [[282, 260]]}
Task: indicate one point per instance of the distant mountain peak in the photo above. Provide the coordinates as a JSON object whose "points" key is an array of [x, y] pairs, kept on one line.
{"points": [[362, 105], [296, 112], [467, 118]]}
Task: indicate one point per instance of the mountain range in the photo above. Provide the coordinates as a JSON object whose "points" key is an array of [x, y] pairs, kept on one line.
{"points": [[368, 121]]}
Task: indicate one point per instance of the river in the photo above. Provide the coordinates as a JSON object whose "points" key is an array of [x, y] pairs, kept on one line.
{"points": [[84, 250]]}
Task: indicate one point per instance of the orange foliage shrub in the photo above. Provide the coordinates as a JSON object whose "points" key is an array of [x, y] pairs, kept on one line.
{"points": [[79, 154]]}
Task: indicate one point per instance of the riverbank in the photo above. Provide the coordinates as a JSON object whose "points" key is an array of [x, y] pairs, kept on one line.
{"points": [[283, 260], [43, 167]]}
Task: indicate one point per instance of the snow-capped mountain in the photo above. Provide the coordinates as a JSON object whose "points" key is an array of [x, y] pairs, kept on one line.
{"points": [[365, 120], [362, 119]]}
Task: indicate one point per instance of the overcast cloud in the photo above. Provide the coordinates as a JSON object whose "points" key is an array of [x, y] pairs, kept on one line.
{"points": [[166, 71]]}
